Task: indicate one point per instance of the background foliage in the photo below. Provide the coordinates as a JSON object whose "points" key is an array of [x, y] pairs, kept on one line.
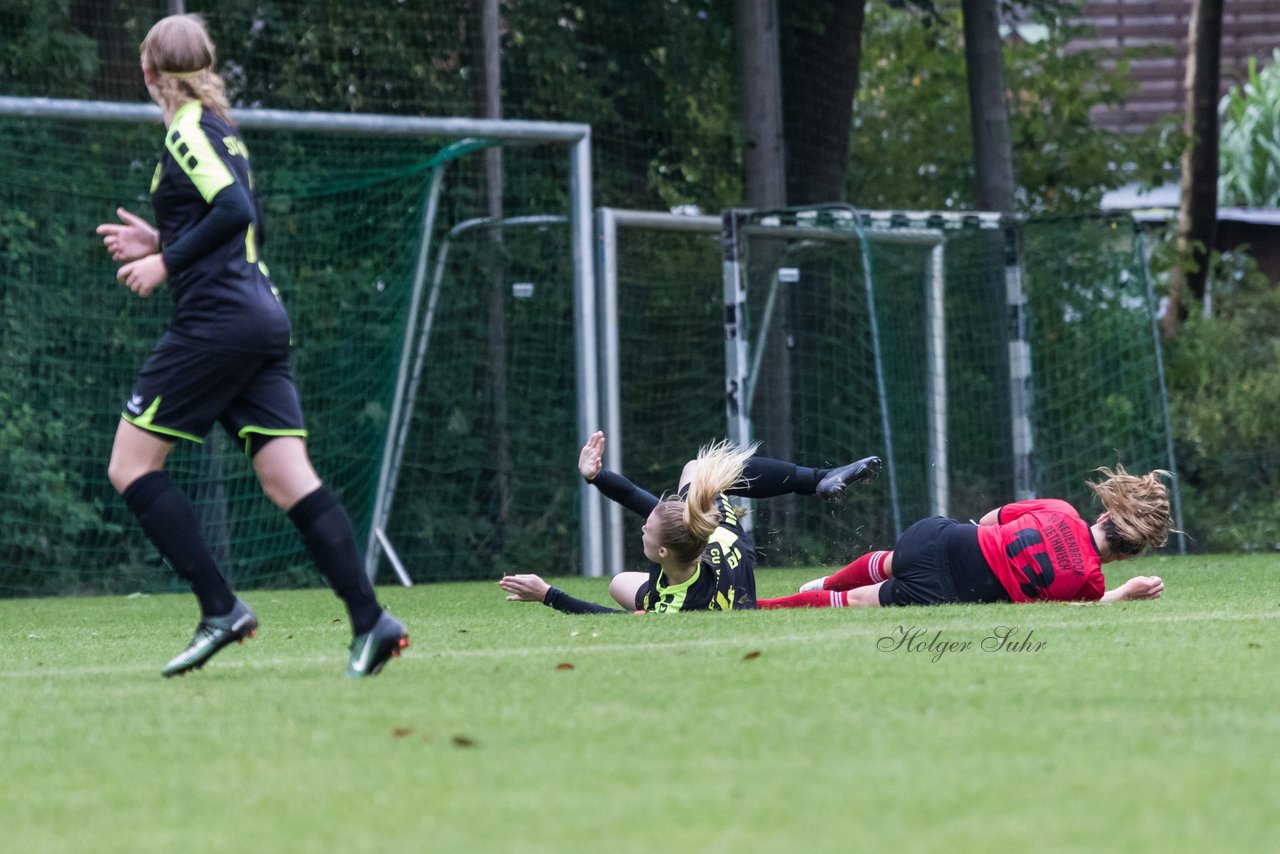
{"points": [[662, 95], [1250, 139]]}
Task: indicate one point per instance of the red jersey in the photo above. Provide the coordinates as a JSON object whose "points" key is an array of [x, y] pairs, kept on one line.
{"points": [[1042, 549]]}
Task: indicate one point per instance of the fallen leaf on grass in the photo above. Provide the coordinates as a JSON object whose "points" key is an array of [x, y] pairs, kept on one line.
{"points": [[402, 731], [462, 741], [751, 656], [564, 665]]}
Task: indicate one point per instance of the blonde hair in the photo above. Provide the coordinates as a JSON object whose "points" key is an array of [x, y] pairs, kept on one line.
{"points": [[180, 55], [1138, 507], [686, 525]]}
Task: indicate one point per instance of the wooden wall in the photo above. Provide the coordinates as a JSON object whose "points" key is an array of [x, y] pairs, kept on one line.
{"points": [[1249, 28]]}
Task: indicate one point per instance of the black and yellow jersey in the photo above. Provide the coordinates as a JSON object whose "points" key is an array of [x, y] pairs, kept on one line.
{"points": [[724, 580], [209, 225]]}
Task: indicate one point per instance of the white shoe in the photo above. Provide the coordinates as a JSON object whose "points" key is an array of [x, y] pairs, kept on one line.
{"points": [[810, 586]]}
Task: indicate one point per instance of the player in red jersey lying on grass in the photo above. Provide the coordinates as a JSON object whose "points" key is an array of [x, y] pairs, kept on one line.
{"points": [[702, 558], [1027, 551]]}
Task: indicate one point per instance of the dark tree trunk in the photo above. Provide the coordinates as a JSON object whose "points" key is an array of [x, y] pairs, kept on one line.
{"points": [[988, 110], [821, 50], [763, 159], [764, 166], [489, 104], [1198, 209]]}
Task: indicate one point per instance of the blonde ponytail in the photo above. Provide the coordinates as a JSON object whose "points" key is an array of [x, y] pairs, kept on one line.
{"points": [[687, 525]]}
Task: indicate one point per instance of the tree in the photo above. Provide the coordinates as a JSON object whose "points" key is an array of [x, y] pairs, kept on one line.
{"points": [[1198, 209], [910, 147], [821, 51], [756, 36], [988, 109]]}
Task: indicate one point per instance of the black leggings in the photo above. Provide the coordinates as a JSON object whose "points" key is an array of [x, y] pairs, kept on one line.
{"points": [[763, 477]]}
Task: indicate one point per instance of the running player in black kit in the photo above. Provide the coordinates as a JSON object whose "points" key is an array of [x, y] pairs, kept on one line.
{"points": [[224, 358]]}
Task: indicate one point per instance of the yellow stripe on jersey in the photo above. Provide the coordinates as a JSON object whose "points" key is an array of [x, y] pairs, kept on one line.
{"points": [[671, 599], [193, 151], [723, 537]]}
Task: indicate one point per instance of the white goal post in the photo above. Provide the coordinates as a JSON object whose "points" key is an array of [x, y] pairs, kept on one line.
{"points": [[576, 139]]}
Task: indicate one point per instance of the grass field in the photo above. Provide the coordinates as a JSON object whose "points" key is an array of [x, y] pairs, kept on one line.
{"points": [[1148, 726]]}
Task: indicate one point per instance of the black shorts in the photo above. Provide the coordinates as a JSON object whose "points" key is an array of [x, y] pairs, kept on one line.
{"points": [[182, 390], [938, 561]]}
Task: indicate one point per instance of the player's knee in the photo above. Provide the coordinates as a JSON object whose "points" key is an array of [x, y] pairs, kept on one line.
{"points": [[622, 587], [117, 478], [277, 495], [864, 597], [121, 474], [616, 589]]}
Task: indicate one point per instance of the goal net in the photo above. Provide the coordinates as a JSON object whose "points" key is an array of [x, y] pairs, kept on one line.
{"points": [[984, 360], [353, 233]]}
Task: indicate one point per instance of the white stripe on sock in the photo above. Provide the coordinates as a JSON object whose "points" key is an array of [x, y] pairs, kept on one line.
{"points": [[877, 561]]}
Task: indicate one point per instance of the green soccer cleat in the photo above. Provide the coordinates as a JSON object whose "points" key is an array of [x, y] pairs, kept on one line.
{"points": [[373, 649], [212, 634], [833, 485]]}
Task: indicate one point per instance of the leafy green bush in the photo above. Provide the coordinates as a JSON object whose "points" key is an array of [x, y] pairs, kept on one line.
{"points": [[1249, 147], [1224, 377]]}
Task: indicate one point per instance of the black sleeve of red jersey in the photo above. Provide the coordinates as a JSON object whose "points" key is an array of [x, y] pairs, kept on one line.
{"points": [[231, 213], [561, 601], [618, 488]]}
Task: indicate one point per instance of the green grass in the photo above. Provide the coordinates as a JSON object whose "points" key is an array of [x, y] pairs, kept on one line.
{"points": [[1149, 726]]}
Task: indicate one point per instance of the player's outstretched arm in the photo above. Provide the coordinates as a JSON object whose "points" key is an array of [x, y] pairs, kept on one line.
{"points": [[591, 458], [131, 238], [531, 588], [1138, 587], [614, 486], [524, 588]]}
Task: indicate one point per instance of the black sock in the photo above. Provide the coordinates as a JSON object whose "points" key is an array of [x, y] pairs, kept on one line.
{"points": [[170, 523], [326, 532], [767, 477]]}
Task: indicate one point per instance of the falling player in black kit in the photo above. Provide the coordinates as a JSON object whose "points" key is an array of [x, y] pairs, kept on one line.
{"points": [[224, 358], [702, 559]]}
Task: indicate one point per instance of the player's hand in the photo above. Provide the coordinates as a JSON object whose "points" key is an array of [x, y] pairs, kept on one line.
{"points": [[1143, 587], [131, 238], [524, 588], [144, 275], [591, 460]]}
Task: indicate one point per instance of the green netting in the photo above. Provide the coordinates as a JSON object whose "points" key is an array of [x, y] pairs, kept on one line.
{"points": [[815, 398], [343, 220], [1099, 395], [671, 360], [1096, 396], [487, 482]]}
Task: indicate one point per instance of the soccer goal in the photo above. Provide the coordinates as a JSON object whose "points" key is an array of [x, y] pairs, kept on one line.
{"points": [[985, 359], [365, 222]]}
